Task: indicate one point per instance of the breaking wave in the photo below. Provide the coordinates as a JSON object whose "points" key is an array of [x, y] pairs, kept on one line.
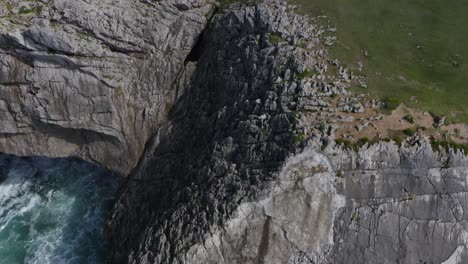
{"points": [[53, 210]]}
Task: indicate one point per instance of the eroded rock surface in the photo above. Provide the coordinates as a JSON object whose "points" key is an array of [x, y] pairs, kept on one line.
{"points": [[91, 79], [240, 163], [227, 137], [403, 205], [241, 174], [380, 204], [293, 223]]}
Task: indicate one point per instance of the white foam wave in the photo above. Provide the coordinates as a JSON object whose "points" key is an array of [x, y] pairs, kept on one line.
{"points": [[53, 212]]}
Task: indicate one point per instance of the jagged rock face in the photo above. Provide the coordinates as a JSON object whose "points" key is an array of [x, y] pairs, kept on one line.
{"points": [[292, 223], [92, 79], [224, 180], [403, 205], [235, 171], [381, 204], [226, 138]]}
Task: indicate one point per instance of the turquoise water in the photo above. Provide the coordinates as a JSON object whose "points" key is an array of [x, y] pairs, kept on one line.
{"points": [[53, 210]]}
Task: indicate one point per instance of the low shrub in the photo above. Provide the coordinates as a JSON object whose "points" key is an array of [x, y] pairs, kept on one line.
{"points": [[390, 103], [409, 119]]}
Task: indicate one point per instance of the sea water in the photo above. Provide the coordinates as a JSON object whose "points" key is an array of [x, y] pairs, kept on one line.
{"points": [[53, 210]]}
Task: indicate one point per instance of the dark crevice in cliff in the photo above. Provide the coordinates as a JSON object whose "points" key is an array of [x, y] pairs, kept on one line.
{"points": [[199, 47], [264, 241], [212, 155], [196, 51]]}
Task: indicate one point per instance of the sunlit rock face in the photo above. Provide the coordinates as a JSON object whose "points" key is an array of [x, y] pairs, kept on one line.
{"points": [[380, 204], [291, 224], [404, 204], [92, 79], [53, 210]]}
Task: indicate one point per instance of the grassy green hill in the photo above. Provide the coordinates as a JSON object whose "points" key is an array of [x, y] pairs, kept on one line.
{"points": [[415, 48]]}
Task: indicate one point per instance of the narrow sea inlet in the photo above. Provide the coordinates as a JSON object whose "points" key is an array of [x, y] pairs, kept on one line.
{"points": [[53, 210]]}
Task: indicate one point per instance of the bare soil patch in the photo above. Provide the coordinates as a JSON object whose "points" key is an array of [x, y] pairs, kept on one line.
{"points": [[401, 122]]}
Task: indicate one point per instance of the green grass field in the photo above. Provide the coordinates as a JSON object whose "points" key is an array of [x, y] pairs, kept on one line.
{"points": [[415, 48]]}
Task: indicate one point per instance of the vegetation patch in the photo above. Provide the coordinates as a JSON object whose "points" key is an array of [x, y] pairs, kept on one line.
{"points": [[409, 132], [9, 7], [294, 118], [409, 119], [413, 51], [397, 139], [390, 103], [446, 145], [355, 217], [25, 10], [344, 142], [354, 146], [298, 138], [322, 127], [305, 74], [275, 39]]}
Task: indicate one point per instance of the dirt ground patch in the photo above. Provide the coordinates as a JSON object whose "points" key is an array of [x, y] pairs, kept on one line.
{"points": [[401, 122]]}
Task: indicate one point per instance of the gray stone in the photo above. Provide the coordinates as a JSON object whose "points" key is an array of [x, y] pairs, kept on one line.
{"points": [[226, 166], [93, 79], [439, 121], [221, 148]]}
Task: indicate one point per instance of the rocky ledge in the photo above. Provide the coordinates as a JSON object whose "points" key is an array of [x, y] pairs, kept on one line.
{"points": [[224, 119], [380, 204]]}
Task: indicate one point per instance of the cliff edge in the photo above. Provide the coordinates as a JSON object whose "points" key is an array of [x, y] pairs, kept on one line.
{"points": [[224, 117], [91, 79]]}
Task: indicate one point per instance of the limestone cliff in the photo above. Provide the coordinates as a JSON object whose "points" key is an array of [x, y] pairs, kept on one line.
{"points": [[228, 179], [91, 79], [381, 204], [226, 123], [227, 137]]}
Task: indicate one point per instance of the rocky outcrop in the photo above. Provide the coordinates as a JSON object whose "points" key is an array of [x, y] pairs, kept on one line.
{"points": [[291, 223], [91, 79], [229, 133], [380, 204], [403, 205], [226, 139], [243, 172]]}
